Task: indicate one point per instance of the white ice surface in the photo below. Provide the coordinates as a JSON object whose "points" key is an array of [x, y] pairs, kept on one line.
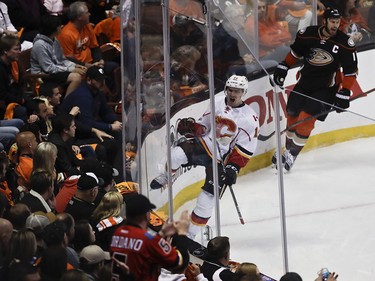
{"points": [[330, 214]]}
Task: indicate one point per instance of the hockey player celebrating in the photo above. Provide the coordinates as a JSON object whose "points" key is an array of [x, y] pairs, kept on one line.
{"points": [[324, 49], [236, 133]]}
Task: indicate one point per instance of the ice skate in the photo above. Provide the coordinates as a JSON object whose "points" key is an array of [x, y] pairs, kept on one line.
{"points": [[274, 160], [159, 182], [288, 160]]}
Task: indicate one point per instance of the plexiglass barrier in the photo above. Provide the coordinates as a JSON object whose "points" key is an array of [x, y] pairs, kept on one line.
{"points": [[317, 214]]}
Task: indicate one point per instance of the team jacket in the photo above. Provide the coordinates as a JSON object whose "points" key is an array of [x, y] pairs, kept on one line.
{"points": [[236, 132], [145, 252], [323, 58]]}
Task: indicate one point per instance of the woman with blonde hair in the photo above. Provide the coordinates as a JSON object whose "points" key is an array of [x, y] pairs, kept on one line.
{"points": [[107, 217], [44, 159]]}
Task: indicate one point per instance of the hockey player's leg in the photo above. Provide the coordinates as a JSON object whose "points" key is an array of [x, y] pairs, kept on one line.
{"points": [[178, 158], [296, 139], [201, 213]]}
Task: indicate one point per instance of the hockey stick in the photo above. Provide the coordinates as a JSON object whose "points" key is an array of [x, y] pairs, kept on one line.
{"points": [[235, 203], [267, 137]]}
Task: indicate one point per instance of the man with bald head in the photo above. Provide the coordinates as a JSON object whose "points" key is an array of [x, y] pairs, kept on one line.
{"points": [[6, 230], [26, 146]]}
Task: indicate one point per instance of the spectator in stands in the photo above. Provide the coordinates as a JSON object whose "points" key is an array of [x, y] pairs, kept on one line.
{"points": [[62, 136], [44, 159], [217, 261], [95, 112], [51, 91], [26, 147], [84, 235], [79, 41], [11, 85], [81, 206], [92, 260], [23, 271], [352, 22], [54, 263], [26, 14], [138, 209], [22, 246], [107, 174], [250, 270], [37, 222], [6, 230], [107, 217], [4, 187], [297, 13], [38, 113], [18, 215], [6, 26], [47, 57], [291, 276], [92, 103], [69, 222], [39, 197], [274, 38]]}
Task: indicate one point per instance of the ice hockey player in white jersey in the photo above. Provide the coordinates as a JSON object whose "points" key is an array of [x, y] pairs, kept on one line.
{"points": [[236, 133]]}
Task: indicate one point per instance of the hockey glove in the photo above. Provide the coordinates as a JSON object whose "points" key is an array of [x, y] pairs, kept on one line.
{"points": [[231, 173], [280, 73], [186, 127], [342, 99]]}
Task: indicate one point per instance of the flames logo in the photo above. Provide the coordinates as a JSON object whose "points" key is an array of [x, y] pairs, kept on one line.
{"points": [[320, 57]]}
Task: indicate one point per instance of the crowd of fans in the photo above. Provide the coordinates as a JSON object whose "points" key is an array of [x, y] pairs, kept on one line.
{"points": [[59, 204]]}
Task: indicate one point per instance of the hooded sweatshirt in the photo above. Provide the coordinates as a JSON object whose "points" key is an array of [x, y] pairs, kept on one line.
{"points": [[47, 56]]}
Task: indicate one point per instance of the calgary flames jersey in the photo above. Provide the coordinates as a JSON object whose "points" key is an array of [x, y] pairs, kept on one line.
{"points": [[236, 132]]}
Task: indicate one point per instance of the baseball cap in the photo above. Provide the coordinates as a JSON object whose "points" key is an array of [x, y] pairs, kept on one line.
{"points": [[39, 220], [106, 172], [88, 181], [291, 276], [330, 13], [93, 254], [137, 204], [96, 73]]}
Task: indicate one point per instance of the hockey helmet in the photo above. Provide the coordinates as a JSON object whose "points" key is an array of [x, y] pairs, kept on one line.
{"points": [[239, 82], [330, 13]]}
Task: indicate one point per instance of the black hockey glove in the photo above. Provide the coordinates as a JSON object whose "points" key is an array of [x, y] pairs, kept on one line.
{"points": [[280, 73], [231, 173], [186, 127], [342, 99]]}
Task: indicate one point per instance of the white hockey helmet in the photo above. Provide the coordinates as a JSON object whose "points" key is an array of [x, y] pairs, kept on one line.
{"points": [[239, 82]]}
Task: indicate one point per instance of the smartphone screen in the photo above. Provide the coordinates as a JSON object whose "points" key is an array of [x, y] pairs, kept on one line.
{"points": [[116, 270]]}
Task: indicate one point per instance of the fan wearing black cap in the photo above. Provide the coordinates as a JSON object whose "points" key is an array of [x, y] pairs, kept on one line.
{"points": [[320, 87], [217, 261], [81, 206], [145, 251]]}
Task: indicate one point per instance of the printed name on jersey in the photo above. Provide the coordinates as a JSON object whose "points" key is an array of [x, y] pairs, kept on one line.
{"points": [[126, 243], [320, 57]]}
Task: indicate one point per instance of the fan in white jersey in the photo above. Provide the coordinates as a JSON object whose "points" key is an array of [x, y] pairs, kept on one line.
{"points": [[236, 133]]}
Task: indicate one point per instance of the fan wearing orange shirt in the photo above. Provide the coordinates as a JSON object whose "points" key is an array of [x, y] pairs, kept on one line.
{"points": [[274, 38], [78, 39]]}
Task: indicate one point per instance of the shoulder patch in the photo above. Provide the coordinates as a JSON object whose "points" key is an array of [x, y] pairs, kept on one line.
{"points": [[150, 234], [351, 42]]}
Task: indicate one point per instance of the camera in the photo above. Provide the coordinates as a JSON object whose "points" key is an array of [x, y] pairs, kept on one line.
{"points": [[325, 274]]}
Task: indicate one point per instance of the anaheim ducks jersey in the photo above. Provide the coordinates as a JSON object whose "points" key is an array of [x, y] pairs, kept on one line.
{"points": [[236, 132], [323, 58]]}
